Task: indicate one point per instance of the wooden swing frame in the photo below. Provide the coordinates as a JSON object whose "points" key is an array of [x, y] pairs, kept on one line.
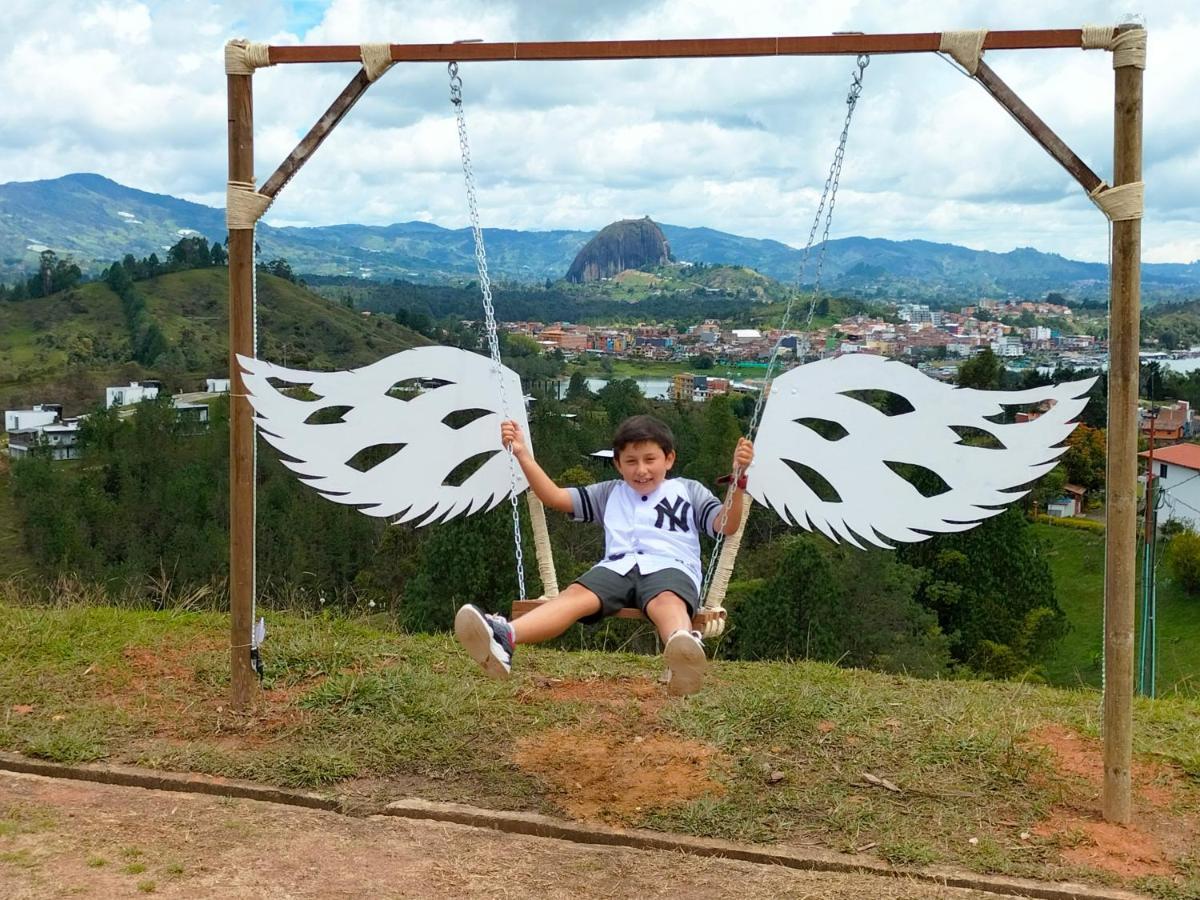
{"points": [[1121, 519]]}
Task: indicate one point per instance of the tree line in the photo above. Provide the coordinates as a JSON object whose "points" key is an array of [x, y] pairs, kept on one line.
{"points": [[150, 501]]}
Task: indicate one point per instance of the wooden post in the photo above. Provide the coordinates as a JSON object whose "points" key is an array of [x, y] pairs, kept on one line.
{"points": [[1121, 517], [241, 427]]}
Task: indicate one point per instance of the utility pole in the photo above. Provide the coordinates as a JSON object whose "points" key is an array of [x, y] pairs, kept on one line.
{"points": [[1120, 574]]}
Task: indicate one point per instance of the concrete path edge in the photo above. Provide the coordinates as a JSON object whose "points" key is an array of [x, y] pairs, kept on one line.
{"points": [[537, 825]]}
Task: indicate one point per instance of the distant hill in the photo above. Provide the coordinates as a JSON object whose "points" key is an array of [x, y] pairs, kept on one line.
{"points": [[81, 334], [97, 220], [628, 244]]}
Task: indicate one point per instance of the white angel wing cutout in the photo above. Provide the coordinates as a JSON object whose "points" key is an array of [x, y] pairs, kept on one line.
{"points": [[431, 429], [876, 504]]}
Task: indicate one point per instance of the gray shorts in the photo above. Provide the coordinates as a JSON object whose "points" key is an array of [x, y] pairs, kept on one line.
{"points": [[634, 590]]}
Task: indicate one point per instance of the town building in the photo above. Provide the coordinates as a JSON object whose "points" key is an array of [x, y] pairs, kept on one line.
{"points": [[134, 392], [1167, 423], [1175, 477], [41, 430], [39, 415]]}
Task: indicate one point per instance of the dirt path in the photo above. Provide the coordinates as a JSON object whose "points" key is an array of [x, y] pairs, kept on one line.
{"points": [[77, 839]]}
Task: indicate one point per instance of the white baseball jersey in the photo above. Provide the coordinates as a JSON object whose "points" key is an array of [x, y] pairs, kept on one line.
{"points": [[655, 531]]}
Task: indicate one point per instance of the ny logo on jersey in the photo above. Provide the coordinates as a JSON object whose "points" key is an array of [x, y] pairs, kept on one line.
{"points": [[677, 514]]}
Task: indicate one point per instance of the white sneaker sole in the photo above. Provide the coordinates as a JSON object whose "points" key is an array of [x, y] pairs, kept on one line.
{"points": [[685, 656], [474, 633]]}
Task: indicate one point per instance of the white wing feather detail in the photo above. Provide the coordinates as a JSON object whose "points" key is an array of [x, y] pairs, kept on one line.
{"points": [[878, 505], [409, 484]]}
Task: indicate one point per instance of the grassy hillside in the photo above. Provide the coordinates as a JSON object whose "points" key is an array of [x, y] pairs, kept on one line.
{"points": [[12, 548], [52, 346], [1077, 561], [994, 777]]}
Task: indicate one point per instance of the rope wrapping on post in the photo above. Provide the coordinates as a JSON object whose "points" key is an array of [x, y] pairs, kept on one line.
{"points": [[541, 543], [244, 205], [1120, 203], [966, 47], [723, 570], [376, 59], [243, 57], [1128, 47]]}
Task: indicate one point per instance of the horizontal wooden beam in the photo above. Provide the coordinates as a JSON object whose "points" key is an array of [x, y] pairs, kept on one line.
{"points": [[817, 45]]}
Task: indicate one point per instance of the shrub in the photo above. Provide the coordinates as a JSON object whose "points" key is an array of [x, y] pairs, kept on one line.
{"points": [[1183, 558]]}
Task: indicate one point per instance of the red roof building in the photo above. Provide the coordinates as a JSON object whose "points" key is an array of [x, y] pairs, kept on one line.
{"points": [[1185, 455]]}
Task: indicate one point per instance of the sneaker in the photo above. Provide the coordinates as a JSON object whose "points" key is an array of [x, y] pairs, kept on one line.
{"points": [[487, 638], [684, 653]]}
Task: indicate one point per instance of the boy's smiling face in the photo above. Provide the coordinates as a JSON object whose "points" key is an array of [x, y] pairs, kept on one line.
{"points": [[643, 465]]}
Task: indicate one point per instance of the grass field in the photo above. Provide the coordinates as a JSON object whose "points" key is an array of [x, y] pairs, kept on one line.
{"points": [[12, 549], [1077, 561], [973, 774]]}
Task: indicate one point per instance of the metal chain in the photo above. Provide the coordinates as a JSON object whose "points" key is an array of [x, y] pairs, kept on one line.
{"points": [[485, 286], [828, 196]]}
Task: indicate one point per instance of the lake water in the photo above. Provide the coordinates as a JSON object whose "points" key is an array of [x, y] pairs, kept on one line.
{"points": [[654, 388], [660, 388], [1181, 366]]}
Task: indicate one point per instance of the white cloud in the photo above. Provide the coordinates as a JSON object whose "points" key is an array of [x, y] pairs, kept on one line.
{"points": [[128, 23], [136, 91]]}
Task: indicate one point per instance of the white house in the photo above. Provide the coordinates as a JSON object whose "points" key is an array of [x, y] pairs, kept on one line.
{"points": [[1175, 471], [41, 430], [23, 419], [216, 385], [746, 335], [196, 413], [62, 439], [134, 392]]}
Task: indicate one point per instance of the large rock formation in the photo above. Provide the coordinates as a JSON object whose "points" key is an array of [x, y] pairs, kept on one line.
{"points": [[628, 244]]}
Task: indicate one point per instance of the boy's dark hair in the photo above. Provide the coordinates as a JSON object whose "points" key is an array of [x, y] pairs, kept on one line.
{"points": [[638, 429]]}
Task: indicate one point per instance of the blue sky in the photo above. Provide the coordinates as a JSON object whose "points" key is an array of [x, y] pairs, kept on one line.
{"points": [[135, 91]]}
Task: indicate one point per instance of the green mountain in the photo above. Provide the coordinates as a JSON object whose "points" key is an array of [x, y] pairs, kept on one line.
{"points": [[96, 220], [68, 346]]}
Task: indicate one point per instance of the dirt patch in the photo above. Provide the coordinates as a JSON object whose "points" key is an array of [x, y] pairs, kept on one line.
{"points": [[1123, 850], [616, 777], [1074, 754], [161, 687], [640, 698], [618, 763], [1153, 844], [98, 840]]}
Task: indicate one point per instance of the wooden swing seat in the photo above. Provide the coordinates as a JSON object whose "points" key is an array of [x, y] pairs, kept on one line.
{"points": [[703, 616]]}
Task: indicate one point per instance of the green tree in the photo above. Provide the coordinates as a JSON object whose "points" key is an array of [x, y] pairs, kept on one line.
{"points": [[1048, 488], [190, 252], [804, 606], [280, 268], [988, 586], [479, 550], [516, 346], [622, 398], [718, 432], [151, 344], [981, 371], [1086, 457], [577, 388], [1183, 559]]}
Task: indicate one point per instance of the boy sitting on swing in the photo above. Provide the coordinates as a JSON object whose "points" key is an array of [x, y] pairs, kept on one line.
{"points": [[651, 551]]}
